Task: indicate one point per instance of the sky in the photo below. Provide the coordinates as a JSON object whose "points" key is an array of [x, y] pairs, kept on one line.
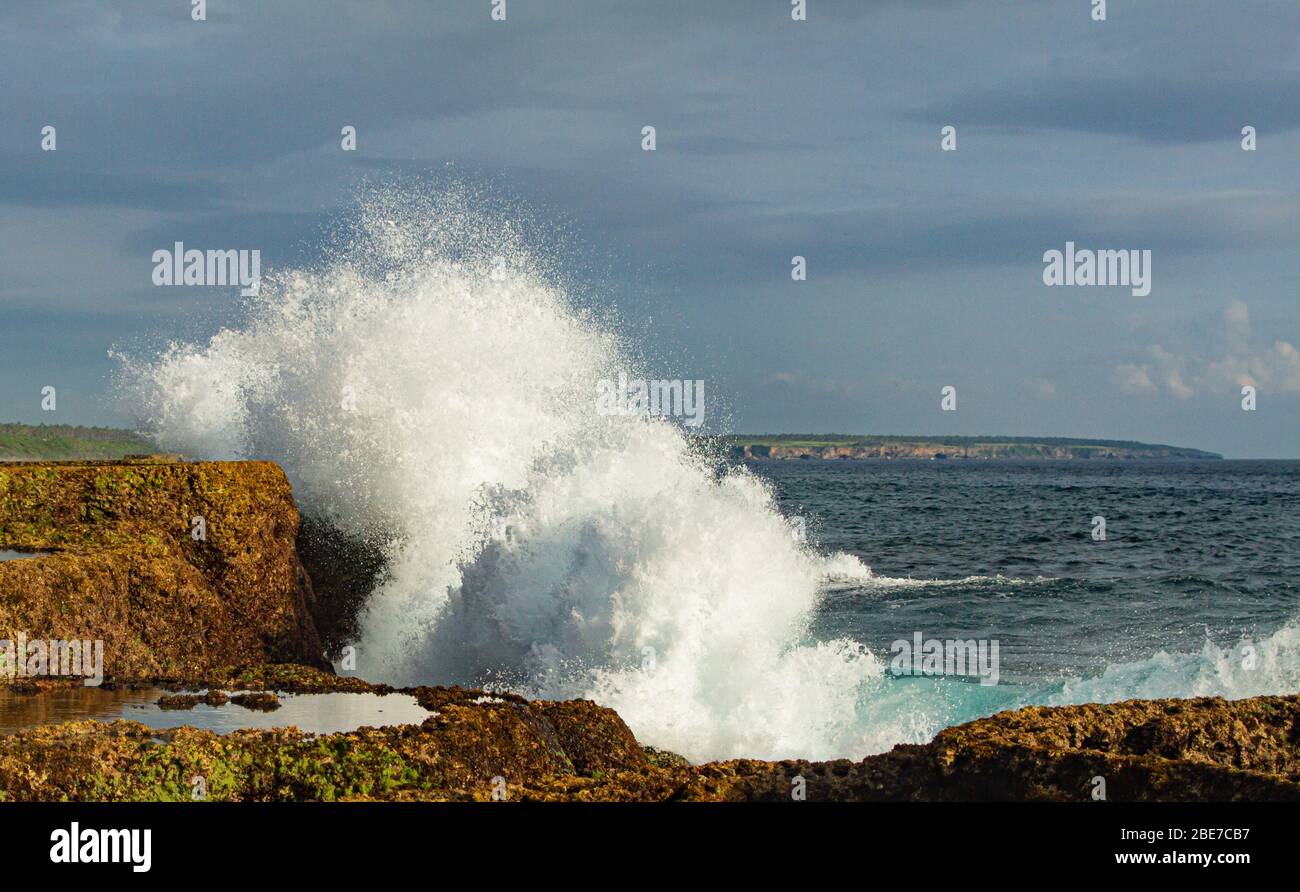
{"points": [[774, 138]]}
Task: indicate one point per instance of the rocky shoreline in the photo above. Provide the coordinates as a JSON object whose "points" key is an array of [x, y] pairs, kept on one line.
{"points": [[482, 745], [178, 567], [121, 563]]}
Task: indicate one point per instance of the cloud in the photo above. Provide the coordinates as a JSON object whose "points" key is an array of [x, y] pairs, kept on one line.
{"points": [[1275, 367], [1155, 109], [1161, 77], [1133, 378], [818, 139]]}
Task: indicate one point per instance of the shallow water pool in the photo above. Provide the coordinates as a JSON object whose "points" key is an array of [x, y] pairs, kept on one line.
{"points": [[19, 555], [313, 713]]}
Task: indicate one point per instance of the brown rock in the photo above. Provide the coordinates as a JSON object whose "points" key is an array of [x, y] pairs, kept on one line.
{"points": [[1153, 750], [262, 701], [126, 569], [1171, 750], [178, 701]]}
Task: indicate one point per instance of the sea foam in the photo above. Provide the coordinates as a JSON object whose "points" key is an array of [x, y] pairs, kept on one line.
{"points": [[431, 387]]}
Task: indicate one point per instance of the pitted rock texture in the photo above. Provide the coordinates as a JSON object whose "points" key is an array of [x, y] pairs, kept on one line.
{"points": [[126, 565], [479, 745]]}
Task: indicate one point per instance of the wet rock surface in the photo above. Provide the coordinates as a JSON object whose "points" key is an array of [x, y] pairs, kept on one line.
{"points": [[262, 701], [479, 745], [211, 698], [179, 701], [178, 567], [1204, 749], [233, 610]]}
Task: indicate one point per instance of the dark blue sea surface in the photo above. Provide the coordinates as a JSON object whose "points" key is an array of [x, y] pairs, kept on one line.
{"points": [[1193, 591]]}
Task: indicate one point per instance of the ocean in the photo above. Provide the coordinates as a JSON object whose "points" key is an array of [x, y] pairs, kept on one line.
{"points": [[1192, 591]]}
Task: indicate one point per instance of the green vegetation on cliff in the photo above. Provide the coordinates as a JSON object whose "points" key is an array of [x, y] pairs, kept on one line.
{"points": [[27, 442]]}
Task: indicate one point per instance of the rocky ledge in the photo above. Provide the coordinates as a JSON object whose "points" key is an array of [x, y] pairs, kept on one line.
{"points": [[177, 602], [178, 567], [478, 745]]}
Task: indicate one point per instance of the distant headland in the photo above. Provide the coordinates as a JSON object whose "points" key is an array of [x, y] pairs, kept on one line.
{"points": [[30, 442], [866, 447], [19, 442]]}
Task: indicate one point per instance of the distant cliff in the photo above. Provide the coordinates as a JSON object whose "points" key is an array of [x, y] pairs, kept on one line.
{"points": [[804, 446]]}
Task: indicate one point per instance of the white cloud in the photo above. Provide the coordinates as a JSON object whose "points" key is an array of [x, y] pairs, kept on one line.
{"points": [[1133, 378], [1275, 368]]}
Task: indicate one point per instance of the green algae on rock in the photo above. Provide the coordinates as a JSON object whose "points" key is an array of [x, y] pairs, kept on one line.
{"points": [[262, 701], [1203, 749], [179, 701], [542, 750], [480, 745], [179, 567], [231, 609]]}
